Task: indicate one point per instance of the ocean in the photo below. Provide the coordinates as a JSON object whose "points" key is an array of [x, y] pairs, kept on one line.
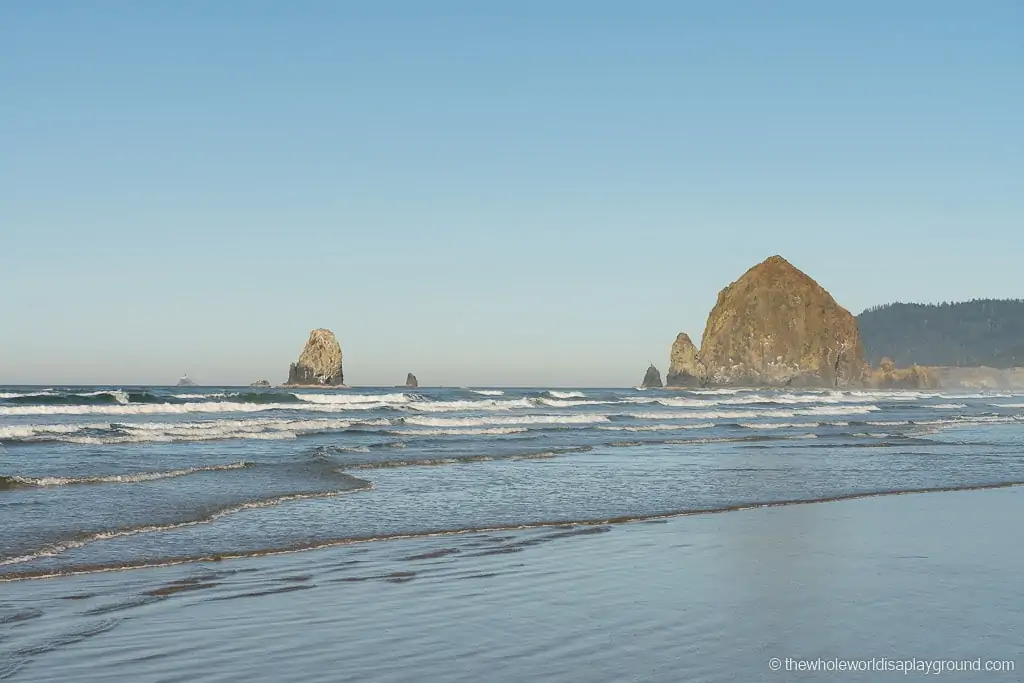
{"points": [[445, 534]]}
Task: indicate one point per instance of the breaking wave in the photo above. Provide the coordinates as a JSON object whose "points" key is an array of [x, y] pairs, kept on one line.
{"points": [[42, 482]]}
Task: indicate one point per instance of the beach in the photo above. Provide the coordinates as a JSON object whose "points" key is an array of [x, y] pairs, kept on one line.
{"points": [[706, 597]]}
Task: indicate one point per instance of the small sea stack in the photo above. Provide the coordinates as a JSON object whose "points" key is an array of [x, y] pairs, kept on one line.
{"points": [[260, 384], [410, 381], [320, 362], [652, 379]]}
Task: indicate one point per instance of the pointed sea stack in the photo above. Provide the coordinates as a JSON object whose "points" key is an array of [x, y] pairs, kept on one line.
{"points": [[684, 369], [410, 381], [652, 380], [775, 326], [320, 362]]}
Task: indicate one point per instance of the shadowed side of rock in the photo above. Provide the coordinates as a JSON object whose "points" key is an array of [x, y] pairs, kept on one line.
{"points": [[652, 379], [411, 382]]}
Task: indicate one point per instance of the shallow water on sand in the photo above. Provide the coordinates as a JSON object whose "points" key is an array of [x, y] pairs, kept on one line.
{"points": [[706, 597]]}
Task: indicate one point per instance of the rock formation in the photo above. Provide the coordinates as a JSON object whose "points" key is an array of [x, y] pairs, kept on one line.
{"points": [[774, 326], [410, 381], [653, 378], [186, 382], [320, 362], [260, 384], [684, 368], [888, 376]]}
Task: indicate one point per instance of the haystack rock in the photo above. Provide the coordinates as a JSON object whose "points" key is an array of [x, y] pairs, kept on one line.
{"points": [[320, 362], [410, 381], [775, 326], [653, 378], [684, 368]]}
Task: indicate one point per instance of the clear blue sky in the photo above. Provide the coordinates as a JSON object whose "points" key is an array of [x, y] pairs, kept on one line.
{"points": [[532, 193]]}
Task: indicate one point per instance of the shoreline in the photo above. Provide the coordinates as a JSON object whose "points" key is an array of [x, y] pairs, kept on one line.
{"points": [[700, 597], [620, 521]]}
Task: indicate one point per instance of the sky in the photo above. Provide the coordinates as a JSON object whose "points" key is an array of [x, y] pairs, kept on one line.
{"points": [[510, 193]]}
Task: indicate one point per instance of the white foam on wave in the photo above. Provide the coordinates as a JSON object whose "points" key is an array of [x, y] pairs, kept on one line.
{"points": [[564, 394], [569, 403], [488, 392], [656, 427], [1007, 405], [16, 394], [462, 431], [504, 420], [166, 432], [778, 425], [127, 478], [354, 399], [747, 414], [455, 406], [948, 406]]}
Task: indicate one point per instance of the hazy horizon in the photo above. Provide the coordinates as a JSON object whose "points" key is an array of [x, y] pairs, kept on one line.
{"points": [[485, 196]]}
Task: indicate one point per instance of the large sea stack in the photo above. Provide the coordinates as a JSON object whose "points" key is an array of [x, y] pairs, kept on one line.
{"points": [[320, 362], [411, 382], [775, 326]]}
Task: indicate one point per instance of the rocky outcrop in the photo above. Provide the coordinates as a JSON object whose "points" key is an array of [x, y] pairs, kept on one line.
{"points": [[410, 381], [186, 382], [320, 362], [888, 376], [774, 326], [260, 384], [652, 379], [684, 368]]}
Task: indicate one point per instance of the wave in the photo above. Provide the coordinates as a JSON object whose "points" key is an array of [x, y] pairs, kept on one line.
{"points": [[353, 399], [502, 420], [460, 431], [484, 529], [657, 427], [55, 549], [488, 392], [1007, 405], [142, 432], [455, 406], [746, 414], [568, 403], [778, 425], [564, 394], [42, 482]]}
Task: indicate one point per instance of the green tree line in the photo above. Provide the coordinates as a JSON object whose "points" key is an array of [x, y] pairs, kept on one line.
{"points": [[970, 333]]}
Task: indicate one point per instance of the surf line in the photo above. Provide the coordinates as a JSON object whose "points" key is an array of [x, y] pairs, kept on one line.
{"points": [[617, 520]]}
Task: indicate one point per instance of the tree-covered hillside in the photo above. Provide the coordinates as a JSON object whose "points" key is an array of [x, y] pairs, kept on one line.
{"points": [[980, 332]]}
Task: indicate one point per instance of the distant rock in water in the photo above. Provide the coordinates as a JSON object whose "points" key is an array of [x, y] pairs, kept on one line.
{"points": [[684, 368], [320, 362], [260, 384], [186, 382], [652, 379], [410, 381]]}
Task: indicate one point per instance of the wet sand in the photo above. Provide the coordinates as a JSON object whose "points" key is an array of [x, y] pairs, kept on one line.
{"points": [[711, 597]]}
